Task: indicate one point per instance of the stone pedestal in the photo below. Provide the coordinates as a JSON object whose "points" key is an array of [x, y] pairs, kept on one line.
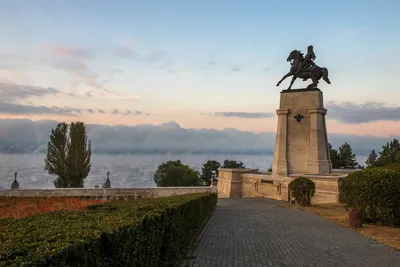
{"points": [[301, 145]]}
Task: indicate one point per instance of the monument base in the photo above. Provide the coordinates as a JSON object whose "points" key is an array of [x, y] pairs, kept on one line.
{"points": [[301, 138]]}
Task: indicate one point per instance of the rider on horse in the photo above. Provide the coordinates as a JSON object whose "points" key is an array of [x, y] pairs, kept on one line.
{"points": [[304, 67], [308, 62]]}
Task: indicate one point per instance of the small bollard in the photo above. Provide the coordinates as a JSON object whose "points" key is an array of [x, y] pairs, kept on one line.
{"points": [[355, 219], [107, 184], [15, 184]]}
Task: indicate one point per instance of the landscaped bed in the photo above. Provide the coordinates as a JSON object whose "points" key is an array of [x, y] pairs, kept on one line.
{"points": [[147, 232], [19, 207]]}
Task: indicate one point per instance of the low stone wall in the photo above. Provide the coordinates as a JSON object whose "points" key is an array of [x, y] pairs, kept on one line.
{"points": [[110, 193], [326, 188], [262, 185], [256, 185], [230, 182], [251, 183]]}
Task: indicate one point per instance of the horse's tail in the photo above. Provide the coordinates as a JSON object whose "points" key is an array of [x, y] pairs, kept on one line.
{"points": [[325, 75]]}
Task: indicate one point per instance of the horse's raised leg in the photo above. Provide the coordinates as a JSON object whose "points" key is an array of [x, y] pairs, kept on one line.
{"points": [[283, 78], [291, 83], [314, 83], [325, 75]]}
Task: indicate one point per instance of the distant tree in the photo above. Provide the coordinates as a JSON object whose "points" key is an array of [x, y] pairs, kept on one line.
{"points": [[232, 164], [334, 155], [209, 171], [372, 160], [346, 157], [162, 169], [174, 173], [68, 155], [390, 153]]}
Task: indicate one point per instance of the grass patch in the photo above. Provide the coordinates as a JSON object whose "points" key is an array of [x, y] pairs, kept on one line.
{"points": [[388, 236]]}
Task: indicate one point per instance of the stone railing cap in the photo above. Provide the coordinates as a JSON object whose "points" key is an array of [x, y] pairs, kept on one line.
{"points": [[238, 169]]}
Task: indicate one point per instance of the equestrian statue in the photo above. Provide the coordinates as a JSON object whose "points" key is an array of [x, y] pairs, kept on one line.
{"points": [[305, 68]]}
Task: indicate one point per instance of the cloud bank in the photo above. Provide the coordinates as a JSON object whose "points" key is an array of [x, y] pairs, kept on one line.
{"points": [[12, 94], [245, 115], [26, 136], [19, 109], [353, 113]]}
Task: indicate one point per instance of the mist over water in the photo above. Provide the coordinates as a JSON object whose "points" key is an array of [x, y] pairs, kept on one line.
{"points": [[126, 171]]}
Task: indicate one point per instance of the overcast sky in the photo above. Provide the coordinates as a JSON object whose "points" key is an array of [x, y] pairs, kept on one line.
{"points": [[202, 64]]}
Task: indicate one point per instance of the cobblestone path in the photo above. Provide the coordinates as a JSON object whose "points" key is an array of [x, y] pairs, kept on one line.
{"points": [[257, 232]]}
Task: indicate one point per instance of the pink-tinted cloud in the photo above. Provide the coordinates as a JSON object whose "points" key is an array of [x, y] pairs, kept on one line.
{"points": [[71, 52], [73, 60], [112, 96], [80, 70]]}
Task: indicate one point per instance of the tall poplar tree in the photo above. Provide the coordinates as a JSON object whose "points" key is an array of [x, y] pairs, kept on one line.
{"points": [[68, 155]]}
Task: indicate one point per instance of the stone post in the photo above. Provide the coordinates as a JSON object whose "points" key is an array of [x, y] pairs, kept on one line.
{"points": [[279, 162], [107, 184], [15, 184], [318, 160]]}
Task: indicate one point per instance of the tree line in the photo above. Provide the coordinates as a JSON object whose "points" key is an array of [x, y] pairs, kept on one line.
{"points": [[69, 159], [344, 157], [175, 173]]}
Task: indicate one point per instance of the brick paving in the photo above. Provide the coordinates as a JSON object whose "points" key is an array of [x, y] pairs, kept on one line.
{"points": [[257, 232]]}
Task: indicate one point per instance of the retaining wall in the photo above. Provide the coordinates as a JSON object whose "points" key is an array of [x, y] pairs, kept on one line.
{"points": [[109, 193]]}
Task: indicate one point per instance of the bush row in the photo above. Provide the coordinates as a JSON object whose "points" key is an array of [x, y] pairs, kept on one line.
{"points": [[375, 193], [147, 232]]}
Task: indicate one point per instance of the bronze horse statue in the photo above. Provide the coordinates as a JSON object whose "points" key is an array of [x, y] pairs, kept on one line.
{"points": [[315, 73]]}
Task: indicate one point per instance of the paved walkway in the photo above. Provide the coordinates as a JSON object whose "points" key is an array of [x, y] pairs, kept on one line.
{"points": [[256, 232]]}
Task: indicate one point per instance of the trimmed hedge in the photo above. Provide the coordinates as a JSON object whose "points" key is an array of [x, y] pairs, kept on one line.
{"points": [[147, 232], [375, 193], [303, 189]]}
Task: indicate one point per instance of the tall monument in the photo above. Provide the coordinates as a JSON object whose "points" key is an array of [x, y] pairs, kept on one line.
{"points": [[301, 145]]}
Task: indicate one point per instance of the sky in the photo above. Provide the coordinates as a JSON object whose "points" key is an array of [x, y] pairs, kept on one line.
{"points": [[202, 64]]}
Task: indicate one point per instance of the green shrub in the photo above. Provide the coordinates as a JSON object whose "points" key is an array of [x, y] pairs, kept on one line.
{"points": [[375, 193], [394, 167], [175, 173], [303, 189], [147, 232]]}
